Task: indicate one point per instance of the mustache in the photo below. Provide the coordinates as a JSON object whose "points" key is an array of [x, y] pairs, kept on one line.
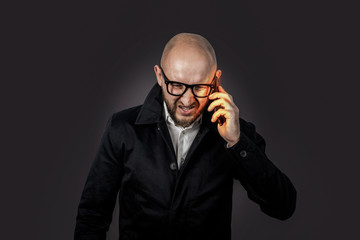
{"points": [[190, 106], [194, 104]]}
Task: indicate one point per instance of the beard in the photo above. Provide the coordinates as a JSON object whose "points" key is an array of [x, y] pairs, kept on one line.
{"points": [[187, 121]]}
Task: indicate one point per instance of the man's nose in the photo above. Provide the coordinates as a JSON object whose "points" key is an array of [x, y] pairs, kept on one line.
{"points": [[188, 97]]}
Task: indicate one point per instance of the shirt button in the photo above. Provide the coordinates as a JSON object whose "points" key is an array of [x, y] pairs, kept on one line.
{"points": [[243, 153], [173, 166]]}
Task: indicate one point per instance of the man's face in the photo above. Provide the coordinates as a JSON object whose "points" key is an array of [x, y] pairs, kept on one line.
{"points": [[185, 109]]}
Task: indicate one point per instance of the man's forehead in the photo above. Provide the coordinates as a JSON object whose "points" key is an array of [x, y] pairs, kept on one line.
{"points": [[192, 69], [189, 74]]}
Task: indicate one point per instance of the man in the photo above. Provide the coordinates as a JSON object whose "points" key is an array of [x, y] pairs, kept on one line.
{"points": [[174, 158]]}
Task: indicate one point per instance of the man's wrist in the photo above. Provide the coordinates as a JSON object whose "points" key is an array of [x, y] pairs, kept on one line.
{"points": [[230, 144]]}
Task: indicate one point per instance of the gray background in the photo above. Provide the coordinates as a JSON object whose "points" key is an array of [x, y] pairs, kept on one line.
{"points": [[291, 66]]}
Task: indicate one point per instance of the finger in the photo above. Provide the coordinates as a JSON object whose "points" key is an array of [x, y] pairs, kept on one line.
{"points": [[218, 113], [217, 103], [221, 89], [216, 95]]}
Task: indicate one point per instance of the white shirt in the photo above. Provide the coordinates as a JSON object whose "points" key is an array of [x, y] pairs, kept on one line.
{"points": [[182, 138]]}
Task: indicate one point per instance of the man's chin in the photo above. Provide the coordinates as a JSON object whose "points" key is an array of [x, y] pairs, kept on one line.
{"points": [[185, 121]]}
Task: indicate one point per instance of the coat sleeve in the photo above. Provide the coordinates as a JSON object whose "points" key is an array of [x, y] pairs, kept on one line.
{"points": [[264, 182], [99, 195]]}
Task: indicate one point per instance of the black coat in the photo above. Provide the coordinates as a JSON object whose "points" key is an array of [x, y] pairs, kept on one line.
{"points": [[136, 157]]}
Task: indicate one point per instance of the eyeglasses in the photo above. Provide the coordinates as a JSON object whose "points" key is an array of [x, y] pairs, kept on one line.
{"points": [[178, 88]]}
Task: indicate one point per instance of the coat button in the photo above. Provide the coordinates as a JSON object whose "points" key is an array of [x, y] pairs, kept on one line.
{"points": [[173, 166], [243, 153]]}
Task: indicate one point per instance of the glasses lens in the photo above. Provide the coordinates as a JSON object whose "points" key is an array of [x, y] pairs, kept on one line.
{"points": [[201, 90], [176, 88]]}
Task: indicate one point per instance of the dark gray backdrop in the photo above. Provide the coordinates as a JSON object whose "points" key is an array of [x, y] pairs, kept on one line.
{"points": [[291, 66]]}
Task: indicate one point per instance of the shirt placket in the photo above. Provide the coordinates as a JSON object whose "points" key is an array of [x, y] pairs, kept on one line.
{"points": [[180, 153]]}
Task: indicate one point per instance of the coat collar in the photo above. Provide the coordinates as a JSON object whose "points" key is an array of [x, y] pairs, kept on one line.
{"points": [[152, 110]]}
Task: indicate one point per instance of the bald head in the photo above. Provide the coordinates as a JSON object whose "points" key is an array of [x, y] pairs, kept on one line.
{"points": [[188, 51]]}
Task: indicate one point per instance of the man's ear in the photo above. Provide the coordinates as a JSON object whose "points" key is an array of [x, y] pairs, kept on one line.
{"points": [[158, 75], [218, 73], [217, 81]]}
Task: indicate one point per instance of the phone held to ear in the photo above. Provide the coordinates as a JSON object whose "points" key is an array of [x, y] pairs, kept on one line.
{"points": [[221, 120]]}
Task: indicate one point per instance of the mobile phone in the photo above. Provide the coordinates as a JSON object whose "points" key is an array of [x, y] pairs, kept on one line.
{"points": [[221, 120]]}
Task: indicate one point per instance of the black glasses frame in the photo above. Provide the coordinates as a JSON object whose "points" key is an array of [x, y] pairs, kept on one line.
{"points": [[167, 81]]}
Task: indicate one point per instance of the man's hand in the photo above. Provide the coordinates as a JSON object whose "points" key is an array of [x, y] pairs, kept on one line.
{"points": [[230, 130]]}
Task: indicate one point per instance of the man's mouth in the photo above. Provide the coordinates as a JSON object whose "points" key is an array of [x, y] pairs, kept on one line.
{"points": [[186, 110]]}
